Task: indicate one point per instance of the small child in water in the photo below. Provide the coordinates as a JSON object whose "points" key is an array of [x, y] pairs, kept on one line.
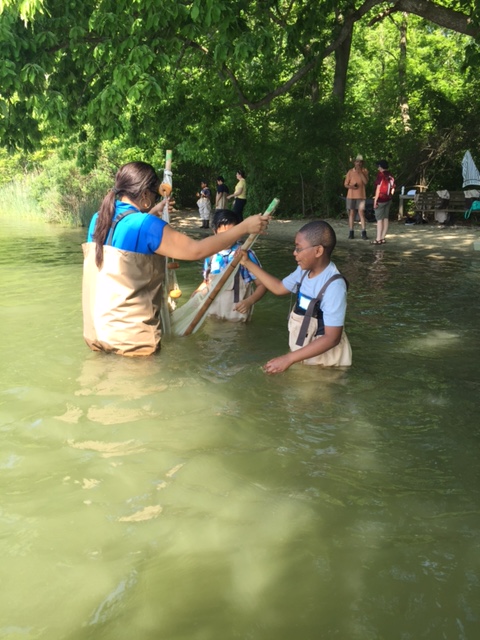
{"points": [[316, 334], [235, 302]]}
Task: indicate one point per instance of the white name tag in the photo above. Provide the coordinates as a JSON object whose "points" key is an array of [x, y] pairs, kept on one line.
{"points": [[303, 301]]}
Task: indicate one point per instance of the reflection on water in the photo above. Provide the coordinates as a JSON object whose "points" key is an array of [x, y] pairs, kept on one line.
{"points": [[190, 496]]}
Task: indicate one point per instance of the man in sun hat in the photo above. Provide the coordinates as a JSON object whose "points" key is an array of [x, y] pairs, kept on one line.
{"points": [[356, 181]]}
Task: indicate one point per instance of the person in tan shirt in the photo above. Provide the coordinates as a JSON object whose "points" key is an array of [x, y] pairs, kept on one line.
{"points": [[356, 181]]}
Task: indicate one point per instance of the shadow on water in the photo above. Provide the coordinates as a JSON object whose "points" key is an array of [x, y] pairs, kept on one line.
{"points": [[190, 496]]}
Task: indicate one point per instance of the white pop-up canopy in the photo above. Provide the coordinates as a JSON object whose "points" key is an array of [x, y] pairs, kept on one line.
{"points": [[471, 175]]}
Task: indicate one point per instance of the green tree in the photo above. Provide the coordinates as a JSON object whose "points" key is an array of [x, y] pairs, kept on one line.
{"points": [[262, 84]]}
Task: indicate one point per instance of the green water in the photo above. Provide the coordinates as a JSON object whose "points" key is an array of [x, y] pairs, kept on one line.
{"points": [[190, 497]]}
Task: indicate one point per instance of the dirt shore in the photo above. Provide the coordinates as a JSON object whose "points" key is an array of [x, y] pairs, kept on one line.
{"points": [[427, 238]]}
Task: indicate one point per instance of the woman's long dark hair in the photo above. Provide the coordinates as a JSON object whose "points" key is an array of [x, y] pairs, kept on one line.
{"points": [[131, 180]]}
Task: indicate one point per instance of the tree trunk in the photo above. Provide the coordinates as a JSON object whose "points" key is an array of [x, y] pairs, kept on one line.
{"points": [[402, 75], [342, 58]]}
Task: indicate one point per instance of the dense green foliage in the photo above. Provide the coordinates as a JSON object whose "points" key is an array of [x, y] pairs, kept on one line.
{"points": [[272, 86]]}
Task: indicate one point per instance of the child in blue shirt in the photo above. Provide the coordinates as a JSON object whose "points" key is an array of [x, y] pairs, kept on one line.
{"points": [[235, 301], [316, 333]]}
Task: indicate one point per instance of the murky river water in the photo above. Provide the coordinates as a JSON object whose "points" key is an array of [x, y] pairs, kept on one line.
{"points": [[190, 497]]}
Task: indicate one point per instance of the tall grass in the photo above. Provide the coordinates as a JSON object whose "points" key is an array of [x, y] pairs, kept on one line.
{"points": [[58, 193], [20, 198], [17, 200]]}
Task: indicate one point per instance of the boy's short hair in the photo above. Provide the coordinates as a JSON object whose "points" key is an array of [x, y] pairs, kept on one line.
{"points": [[320, 232], [223, 218], [220, 179]]}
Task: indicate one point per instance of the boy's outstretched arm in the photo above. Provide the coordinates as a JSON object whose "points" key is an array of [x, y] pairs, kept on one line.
{"points": [[272, 283], [244, 305], [318, 346]]}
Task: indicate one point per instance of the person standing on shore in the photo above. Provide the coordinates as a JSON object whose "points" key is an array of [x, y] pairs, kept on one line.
{"points": [[384, 190], [222, 194], [204, 205], [240, 195], [356, 181]]}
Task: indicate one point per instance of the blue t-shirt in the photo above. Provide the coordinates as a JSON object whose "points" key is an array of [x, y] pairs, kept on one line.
{"points": [[219, 262], [137, 232]]}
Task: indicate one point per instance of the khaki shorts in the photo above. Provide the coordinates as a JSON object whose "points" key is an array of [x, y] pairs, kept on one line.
{"points": [[382, 210], [355, 203]]}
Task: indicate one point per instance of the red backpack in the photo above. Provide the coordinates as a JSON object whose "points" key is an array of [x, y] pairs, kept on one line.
{"points": [[387, 186]]}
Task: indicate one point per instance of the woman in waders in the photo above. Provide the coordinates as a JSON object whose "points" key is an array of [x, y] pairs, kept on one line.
{"points": [[124, 262]]}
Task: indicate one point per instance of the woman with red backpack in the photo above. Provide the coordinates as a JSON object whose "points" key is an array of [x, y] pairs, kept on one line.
{"points": [[384, 190]]}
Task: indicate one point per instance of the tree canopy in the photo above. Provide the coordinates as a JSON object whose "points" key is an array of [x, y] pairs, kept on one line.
{"points": [[264, 84]]}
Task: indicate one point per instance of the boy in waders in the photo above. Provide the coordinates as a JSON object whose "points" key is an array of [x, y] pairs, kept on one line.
{"points": [[235, 302], [316, 322]]}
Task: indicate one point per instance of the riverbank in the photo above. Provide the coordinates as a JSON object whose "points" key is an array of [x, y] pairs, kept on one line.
{"points": [[429, 238]]}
